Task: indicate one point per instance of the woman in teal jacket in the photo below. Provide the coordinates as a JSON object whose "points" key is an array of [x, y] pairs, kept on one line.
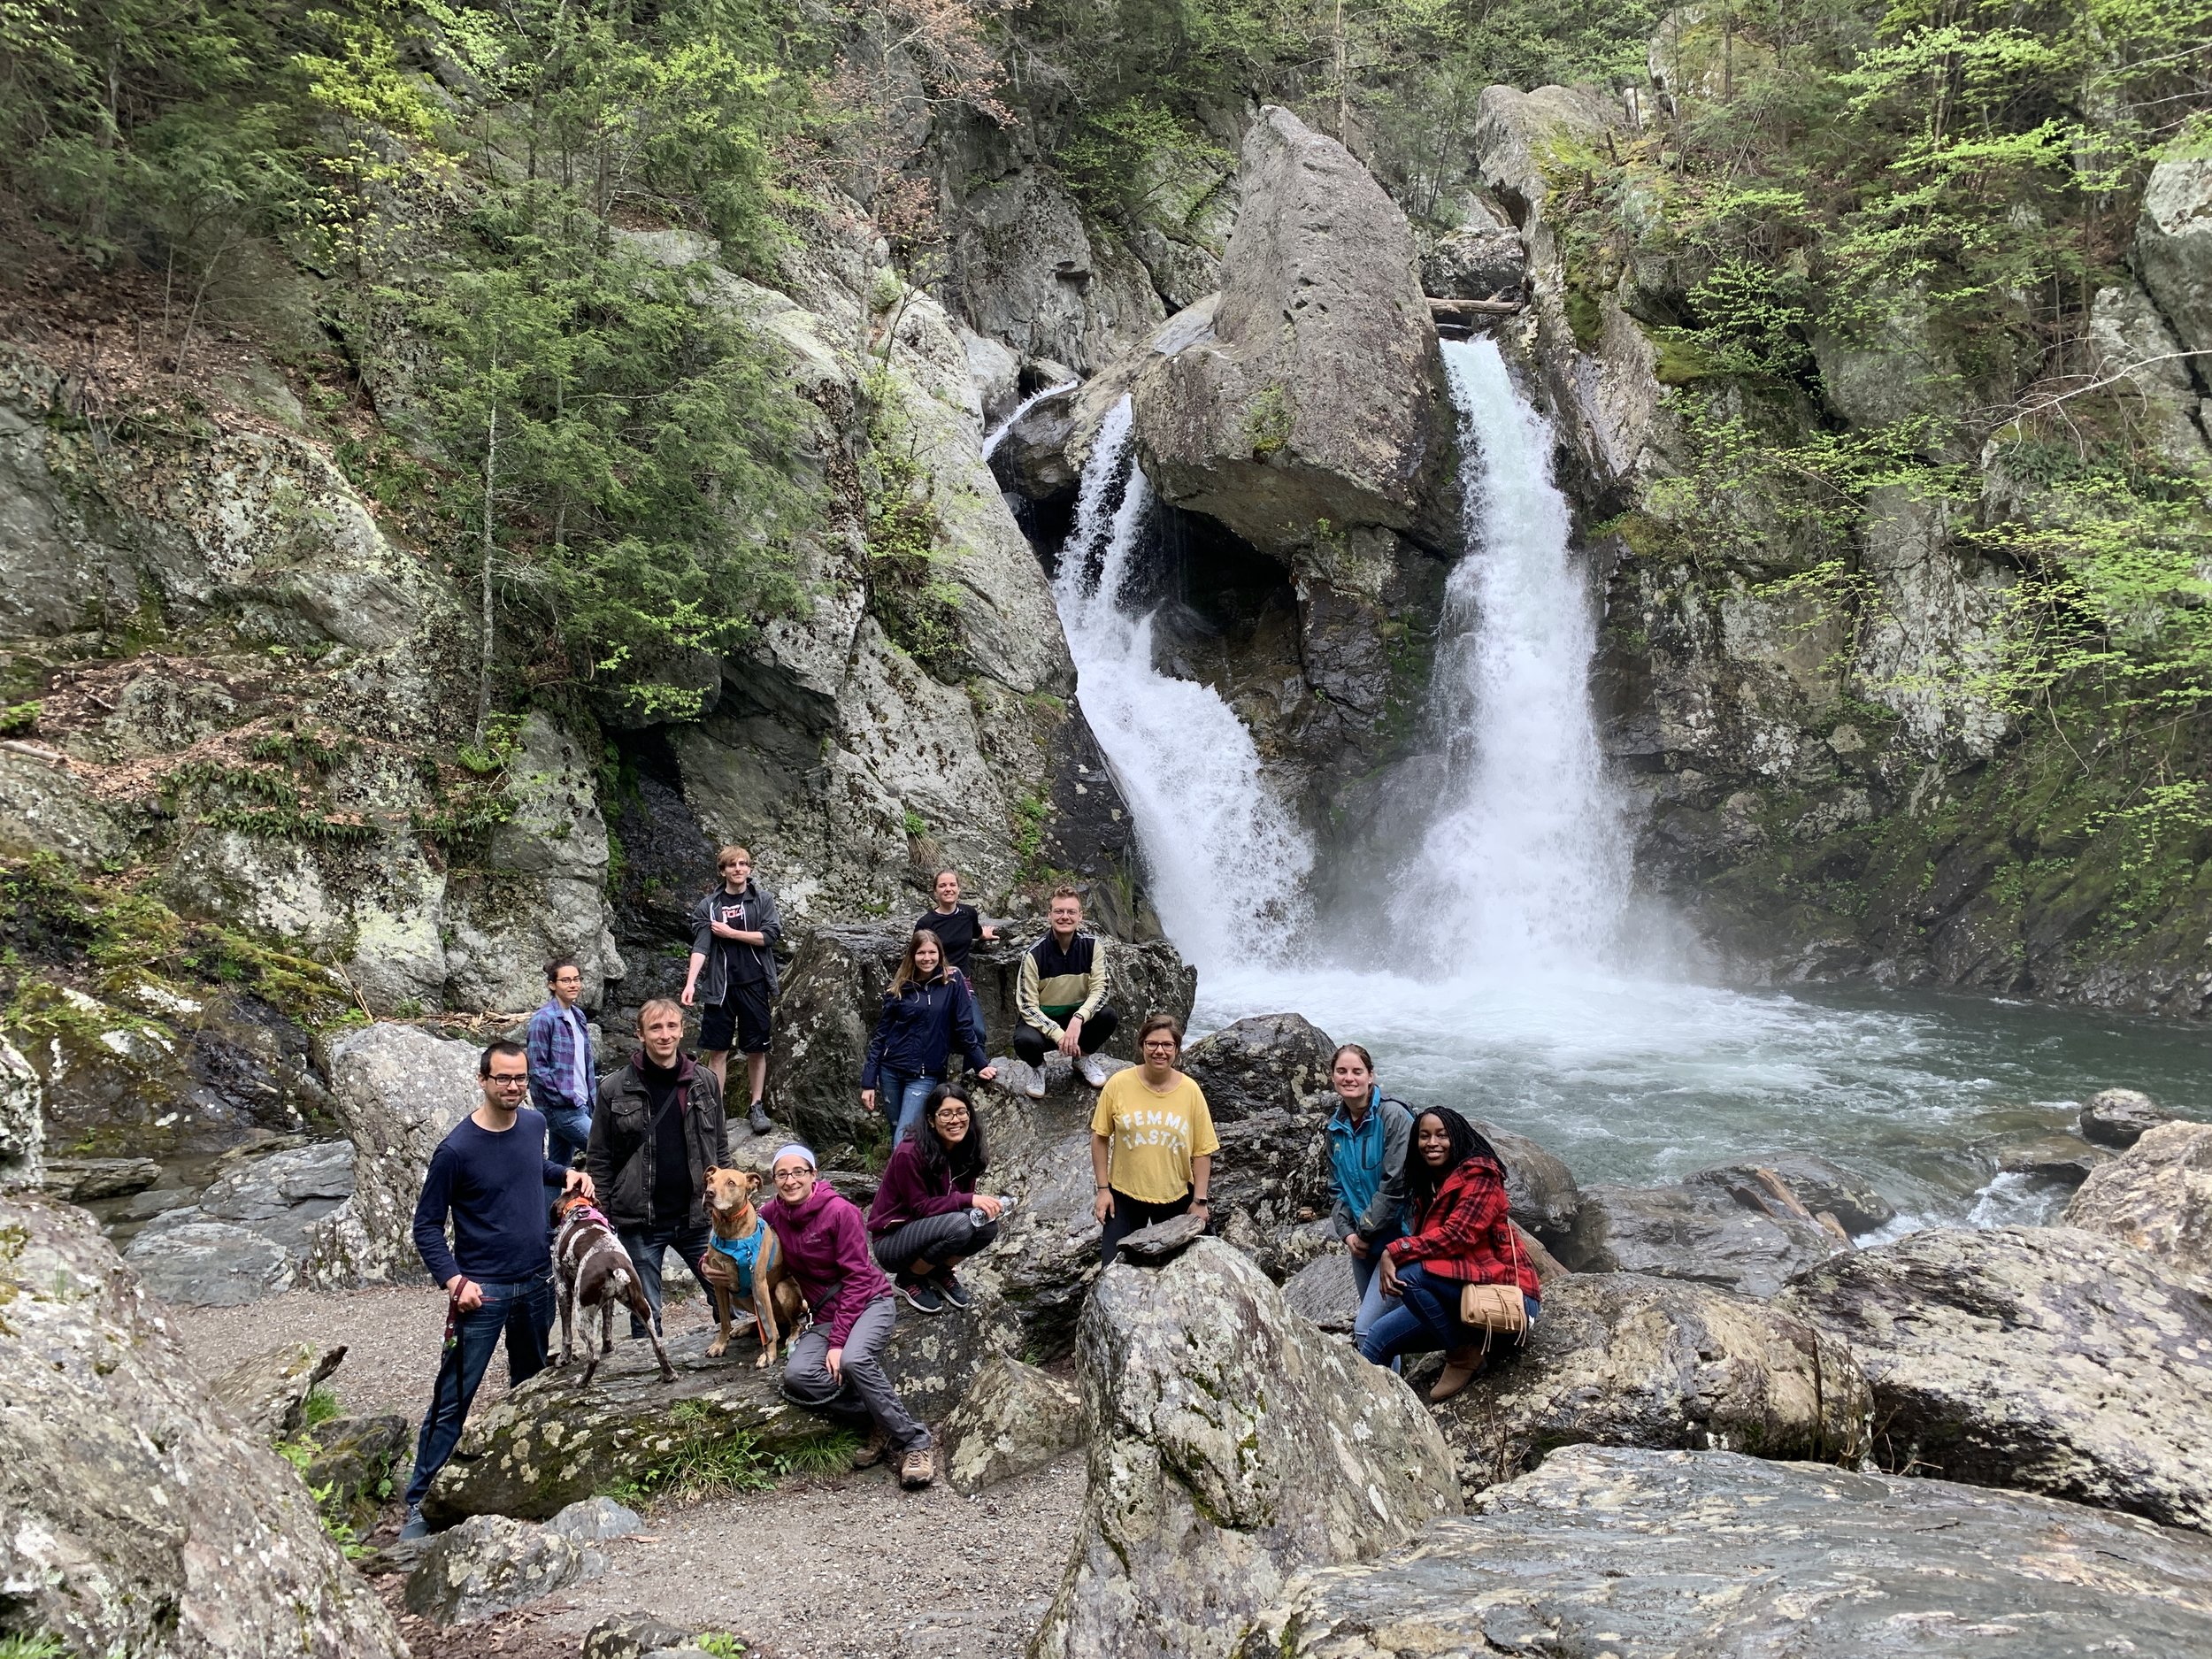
{"points": [[1368, 1135]]}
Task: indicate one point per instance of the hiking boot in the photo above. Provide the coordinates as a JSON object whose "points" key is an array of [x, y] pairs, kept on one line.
{"points": [[871, 1453], [761, 1125], [1093, 1067], [1461, 1367], [922, 1296], [952, 1290], [917, 1468], [415, 1527]]}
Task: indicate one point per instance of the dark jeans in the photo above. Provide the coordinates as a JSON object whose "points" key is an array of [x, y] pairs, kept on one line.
{"points": [[1129, 1214], [567, 1132], [1031, 1044], [1425, 1319], [524, 1313], [940, 1241], [645, 1247]]}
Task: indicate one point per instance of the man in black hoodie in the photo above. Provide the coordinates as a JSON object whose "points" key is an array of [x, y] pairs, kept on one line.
{"points": [[732, 975], [658, 1132]]}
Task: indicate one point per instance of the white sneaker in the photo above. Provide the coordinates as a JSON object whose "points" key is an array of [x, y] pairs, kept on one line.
{"points": [[1093, 1067], [1033, 1080]]}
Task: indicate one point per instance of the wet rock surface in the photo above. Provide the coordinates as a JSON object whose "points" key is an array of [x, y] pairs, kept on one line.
{"points": [[1819, 1184], [2158, 1197], [1691, 1232], [2120, 1117], [1617, 1359], [1266, 1083], [1643, 1555], [1014, 1418], [132, 1507], [2046, 1359], [1230, 1443]]}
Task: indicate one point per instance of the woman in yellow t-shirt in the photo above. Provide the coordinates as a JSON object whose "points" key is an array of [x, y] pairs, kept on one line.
{"points": [[1152, 1140]]}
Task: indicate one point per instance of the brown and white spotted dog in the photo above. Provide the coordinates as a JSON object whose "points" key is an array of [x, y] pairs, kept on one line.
{"points": [[591, 1267], [744, 1264]]}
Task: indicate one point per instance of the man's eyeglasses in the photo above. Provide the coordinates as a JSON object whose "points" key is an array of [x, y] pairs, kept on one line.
{"points": [[509, 1080]]}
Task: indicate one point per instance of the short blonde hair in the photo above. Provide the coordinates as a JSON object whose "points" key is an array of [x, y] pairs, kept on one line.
{"points": [[658, 1005], [728, 853]]}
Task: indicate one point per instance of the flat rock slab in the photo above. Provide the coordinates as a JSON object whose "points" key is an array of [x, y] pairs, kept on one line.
{"points": [[2046, 1359], [1163, 1241], [1325, 1292], [553, 1442], [2157, 1196], [1698, 1233], [81, 1180], [1617, 1359], [1648, 1555]]}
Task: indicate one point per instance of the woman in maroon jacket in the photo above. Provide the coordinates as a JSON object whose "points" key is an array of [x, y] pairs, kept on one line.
{"points": [[1462, 1234], [927, 1218], [837, 1366]]}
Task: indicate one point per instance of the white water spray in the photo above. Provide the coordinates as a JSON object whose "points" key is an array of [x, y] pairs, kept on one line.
{"points": [[997, 434], [1226, 857], [1526, 863]]}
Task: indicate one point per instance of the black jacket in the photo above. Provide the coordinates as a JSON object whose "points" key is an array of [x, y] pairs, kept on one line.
{"points": [[621, 1157]]}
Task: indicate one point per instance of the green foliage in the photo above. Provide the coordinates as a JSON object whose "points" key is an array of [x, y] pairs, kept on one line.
{"points": [[1267, 421], [908, 592], [720, 1643], [18, 719], [702, 1459], [320, 1406], [34, 1645]]}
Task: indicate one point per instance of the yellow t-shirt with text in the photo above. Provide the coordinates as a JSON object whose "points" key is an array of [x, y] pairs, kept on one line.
{"points": [[1153, 1136]]}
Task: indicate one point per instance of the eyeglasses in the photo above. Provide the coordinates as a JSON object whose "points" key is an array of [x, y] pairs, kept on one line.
{"points": [[782, 1176], [947, 1116], [509, 1080]]}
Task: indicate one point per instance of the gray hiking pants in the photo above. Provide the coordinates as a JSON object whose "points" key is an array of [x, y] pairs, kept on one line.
{"points": [[866, 1394]]}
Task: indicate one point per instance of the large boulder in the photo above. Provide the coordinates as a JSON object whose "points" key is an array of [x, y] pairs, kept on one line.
{"points": [[139, 1522], [22, 1122], [267, 1392], [1014, 1419], [1267, 1063], [2157, 1196], [830, 995], [1308, 401], [490, 1563], [1266, 1082], [1231, 1444], [2043, 1358], [2120, 1117], [553, 1442], [1822, 1185], [2173, 247], [1047, 1251], [1617, 1359], [250, 1233], [396, 1091], [1692, 1233], [1640, 1555], [1541, 1189], [1483, 261]]}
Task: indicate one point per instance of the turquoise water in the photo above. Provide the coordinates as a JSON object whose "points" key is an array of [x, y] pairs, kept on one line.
{"points": [[1642, 1082]]}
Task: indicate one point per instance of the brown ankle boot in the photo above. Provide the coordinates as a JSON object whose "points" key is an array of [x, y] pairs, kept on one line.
{"points": [[1460, 1367]]}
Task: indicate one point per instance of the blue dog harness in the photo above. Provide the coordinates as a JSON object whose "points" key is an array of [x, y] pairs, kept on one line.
{"points": [[742, 1252]]}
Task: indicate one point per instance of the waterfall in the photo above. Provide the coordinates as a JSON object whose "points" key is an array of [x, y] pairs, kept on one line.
{"points": [[1226, 857], [1525, 860], [998, 433]]}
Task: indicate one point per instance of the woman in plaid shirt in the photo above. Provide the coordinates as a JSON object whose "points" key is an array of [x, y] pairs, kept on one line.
{"points": [[1462, 1234]]}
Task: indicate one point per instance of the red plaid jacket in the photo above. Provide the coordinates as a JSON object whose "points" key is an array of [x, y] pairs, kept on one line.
{"points": [[1466, 1232]]}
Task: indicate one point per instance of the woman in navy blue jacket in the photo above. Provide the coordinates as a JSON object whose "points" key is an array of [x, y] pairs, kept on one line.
{"points": [[928, 1009]]}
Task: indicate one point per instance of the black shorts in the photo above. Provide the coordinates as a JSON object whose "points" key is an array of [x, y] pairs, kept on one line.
{"points": [[743, 1014]]}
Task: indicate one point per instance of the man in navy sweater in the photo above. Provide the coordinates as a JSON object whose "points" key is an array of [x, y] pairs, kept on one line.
{"points": [[489, 1174]]}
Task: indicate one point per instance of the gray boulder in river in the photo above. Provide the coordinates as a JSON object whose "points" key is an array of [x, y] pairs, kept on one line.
{"points": [[1651, 1554], [1621, 1360], [1701, 1234], [2043, 1358], [1229, 1444], [141, 1521], [2157, 1196]]}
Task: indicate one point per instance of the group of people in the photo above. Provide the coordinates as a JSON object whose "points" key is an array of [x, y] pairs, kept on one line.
{"points": [[1421, 1202]]}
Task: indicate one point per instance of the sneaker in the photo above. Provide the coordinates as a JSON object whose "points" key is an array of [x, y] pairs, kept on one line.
{"points": [[761, 1125], [871, 1453], [952, 1290], [1093, 1066], [922, 1296], [1033, 1084], [918, 1468], [415, 1527]]}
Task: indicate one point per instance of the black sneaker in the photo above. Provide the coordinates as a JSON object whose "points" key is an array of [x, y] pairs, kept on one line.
{"points": [[952, 1290], [922, 1296], [759, 1119]]}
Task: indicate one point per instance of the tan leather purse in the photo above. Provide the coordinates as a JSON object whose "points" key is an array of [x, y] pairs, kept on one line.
{"points": [[1497, 1309]]}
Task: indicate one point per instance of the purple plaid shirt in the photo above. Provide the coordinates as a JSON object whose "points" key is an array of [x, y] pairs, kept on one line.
{"points": [[562, 1070]]}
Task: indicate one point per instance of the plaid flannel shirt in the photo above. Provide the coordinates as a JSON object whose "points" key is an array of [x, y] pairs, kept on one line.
{"points": [[1466, 1232]]}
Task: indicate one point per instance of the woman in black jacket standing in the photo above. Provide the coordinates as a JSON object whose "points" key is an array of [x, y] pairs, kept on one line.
{"points": [[926, 1009]]}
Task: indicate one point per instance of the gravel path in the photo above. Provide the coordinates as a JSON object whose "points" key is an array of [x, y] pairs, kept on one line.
{"points": [[849, 1567]]}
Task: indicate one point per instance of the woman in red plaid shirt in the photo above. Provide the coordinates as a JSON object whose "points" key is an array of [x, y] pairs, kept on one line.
{"points": [[1462, 1234]]}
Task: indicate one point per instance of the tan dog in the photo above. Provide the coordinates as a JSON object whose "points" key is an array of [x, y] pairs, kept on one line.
{"points": [[768, 1291]]}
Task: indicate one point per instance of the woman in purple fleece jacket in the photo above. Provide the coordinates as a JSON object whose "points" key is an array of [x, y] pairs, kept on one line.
{"points": [[926, 1219], [837, 1366]]}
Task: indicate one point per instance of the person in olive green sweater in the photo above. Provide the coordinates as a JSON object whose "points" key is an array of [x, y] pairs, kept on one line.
{"points": [[1061, 997]]}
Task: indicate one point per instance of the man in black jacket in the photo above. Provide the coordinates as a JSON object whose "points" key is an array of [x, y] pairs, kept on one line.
{"points": [[732, 975], [658, 1132]]}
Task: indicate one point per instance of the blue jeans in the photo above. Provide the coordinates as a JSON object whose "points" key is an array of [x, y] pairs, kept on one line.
{"points": [[900, 1096], [522, 1310], [1425, 1319], [646, 1246], [567, 1132], [1367, 1274]]}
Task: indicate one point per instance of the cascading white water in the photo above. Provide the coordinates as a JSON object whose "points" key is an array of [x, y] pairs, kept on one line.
{"points": [[997, 434], [1226, 857], [1525, 860]]}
